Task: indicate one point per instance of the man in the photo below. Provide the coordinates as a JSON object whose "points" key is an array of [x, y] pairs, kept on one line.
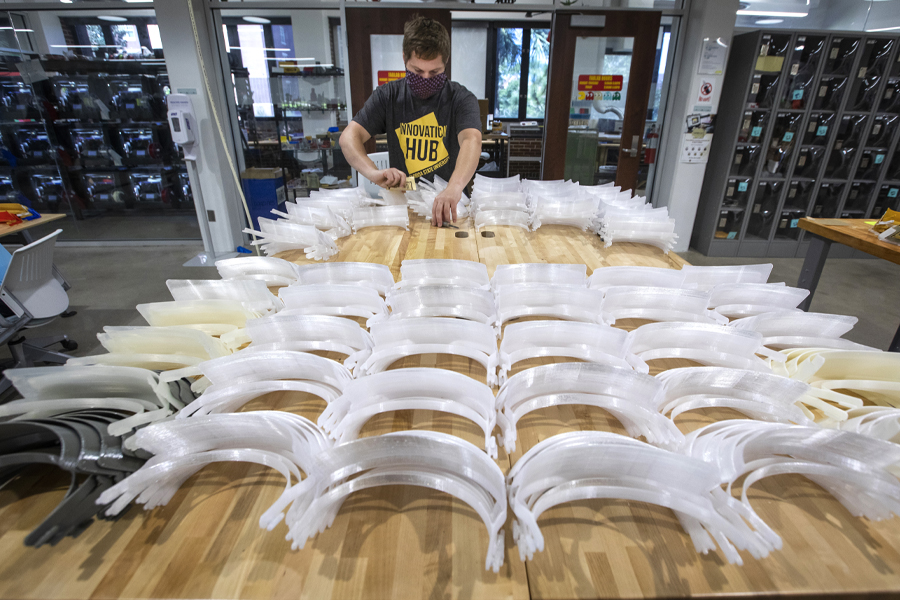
{"points": [[433, 125]]}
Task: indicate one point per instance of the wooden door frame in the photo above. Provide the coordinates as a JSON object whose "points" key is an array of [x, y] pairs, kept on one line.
{"points": [[640, 25], [365, 21]]}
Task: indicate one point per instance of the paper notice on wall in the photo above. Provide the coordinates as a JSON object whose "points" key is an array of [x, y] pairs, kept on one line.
{"points": [[695, 149], [712, 58]]}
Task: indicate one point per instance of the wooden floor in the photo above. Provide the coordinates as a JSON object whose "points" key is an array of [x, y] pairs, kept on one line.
{"points": [[405, 542]]}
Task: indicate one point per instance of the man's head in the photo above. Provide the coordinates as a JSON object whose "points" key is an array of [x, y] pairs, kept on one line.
{"points": [[426, 47]]}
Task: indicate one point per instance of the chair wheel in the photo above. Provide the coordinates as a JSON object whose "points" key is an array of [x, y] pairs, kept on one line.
{"points": [[69, 345]]}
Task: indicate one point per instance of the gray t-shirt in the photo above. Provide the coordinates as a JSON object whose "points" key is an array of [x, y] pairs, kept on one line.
{"points": [[423, 135]]}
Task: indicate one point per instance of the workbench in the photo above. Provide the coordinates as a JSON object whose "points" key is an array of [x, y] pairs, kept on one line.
{"points": [[856, 234], [408, 542], [24, 226]]}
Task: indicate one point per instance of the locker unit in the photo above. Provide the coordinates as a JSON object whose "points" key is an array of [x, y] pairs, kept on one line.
{"points": [[808, 125]]}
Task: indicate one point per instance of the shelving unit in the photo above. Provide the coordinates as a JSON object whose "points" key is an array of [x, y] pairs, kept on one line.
{"points": [[90, 139], [808, 126], [301, 119]]}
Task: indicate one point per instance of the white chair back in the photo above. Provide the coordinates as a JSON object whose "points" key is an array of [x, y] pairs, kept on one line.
{"points": [[29, 279], [382, 161]]}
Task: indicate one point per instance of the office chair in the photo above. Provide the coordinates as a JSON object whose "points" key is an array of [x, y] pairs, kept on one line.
{"points": [[33, 295]]}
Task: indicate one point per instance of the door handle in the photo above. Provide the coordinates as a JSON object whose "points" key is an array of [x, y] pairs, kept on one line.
{"points": [[633, 151]]}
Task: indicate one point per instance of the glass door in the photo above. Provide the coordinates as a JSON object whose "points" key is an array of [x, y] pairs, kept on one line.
{"points": [[602, 67]]}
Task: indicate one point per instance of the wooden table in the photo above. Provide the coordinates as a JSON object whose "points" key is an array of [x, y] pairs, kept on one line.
{"points": [[850, 232], [406, 542], [24, 226]]}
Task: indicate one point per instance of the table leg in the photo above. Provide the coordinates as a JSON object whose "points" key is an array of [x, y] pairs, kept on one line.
{"points": [[895, 344], [812, 267]]}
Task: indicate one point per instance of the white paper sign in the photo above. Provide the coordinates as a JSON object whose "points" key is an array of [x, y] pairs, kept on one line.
{"points": [[712, 58]]}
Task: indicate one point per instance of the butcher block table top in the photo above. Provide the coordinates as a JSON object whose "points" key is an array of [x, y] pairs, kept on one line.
{"points": [[408, 542]]}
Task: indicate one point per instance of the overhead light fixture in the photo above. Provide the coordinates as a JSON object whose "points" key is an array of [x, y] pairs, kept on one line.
{"points": [[139, 1], [269, 49], [259, 20], [113, 19], [769, 21], [66, 1], [770, 13], [292, 58], [84, 46], [883, 29]]}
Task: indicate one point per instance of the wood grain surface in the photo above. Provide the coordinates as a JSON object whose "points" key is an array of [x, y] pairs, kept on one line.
{"points": [[43, 220], [854, 233], [406, 542]]}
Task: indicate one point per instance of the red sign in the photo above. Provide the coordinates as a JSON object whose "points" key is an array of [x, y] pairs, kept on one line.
{"points": [[388, 76], [600, 83]]}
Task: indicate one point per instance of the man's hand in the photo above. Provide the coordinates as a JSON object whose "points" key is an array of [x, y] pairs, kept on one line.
{"points": [[389, 178], [444, 208]]}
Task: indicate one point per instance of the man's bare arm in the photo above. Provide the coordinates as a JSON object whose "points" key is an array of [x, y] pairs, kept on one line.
{"points": [[444, 208], [352, 143]]}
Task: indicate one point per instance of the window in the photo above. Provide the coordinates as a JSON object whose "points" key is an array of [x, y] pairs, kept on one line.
{"points": [[521, 66], [155, 40], [126, 37], [253, 54]]}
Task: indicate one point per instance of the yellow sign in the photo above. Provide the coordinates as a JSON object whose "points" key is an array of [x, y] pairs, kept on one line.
{"points": [[388, 76], [422, 144]]}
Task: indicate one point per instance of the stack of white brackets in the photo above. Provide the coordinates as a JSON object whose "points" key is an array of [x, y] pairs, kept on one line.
{"points": [[499, 202], [626, 219], [560, 203], [322, 218], [282, 235], [786, 371], [421, 200]]}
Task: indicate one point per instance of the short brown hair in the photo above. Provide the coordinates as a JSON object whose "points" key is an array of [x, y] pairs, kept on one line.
{"points": [[427, 38]]}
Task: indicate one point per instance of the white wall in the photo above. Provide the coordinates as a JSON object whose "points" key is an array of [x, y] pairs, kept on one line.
{"points": [[467, 57], [47, 32], [312, 39], [387, 54], [679, 183]]}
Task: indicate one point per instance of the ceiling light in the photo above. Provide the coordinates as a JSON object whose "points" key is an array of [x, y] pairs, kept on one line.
{"points": [[268, 49], [292, 58], [884, 29], [84, 46], [138, 1], [770, 13], [66, 1], [257, 20], [113, 19], [769, 21]]}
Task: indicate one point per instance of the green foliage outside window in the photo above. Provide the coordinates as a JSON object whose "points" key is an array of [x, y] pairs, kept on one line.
{"points": [[509, 69]]}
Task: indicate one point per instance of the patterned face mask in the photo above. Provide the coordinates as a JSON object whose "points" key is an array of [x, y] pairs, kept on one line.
{"points": [[424, 88]]}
